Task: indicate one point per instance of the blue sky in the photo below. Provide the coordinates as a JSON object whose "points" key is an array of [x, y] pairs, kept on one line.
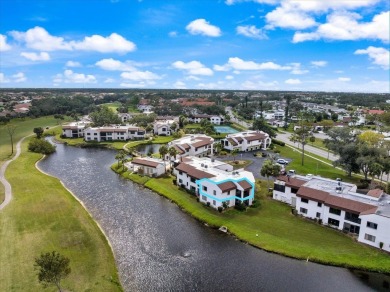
{"points": [[310, 45]]}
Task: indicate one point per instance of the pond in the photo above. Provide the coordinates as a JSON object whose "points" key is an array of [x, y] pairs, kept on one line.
{"points": [[225, 130], [147, 148], [158, 247]]}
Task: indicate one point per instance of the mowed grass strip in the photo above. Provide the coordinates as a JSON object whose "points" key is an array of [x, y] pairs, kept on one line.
{"points": [[24, 127], [2, 193], [272, 227], [43, 216]]}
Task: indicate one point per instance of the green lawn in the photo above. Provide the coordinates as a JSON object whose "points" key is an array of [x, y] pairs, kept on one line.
{"points": [[272, 227], [24, 127], [312, 166], [239, 163], [2, 193], [43, 216]]}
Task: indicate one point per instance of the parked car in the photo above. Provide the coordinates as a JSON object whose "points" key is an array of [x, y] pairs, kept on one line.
{"points": [[291, 172], [282, 161]]}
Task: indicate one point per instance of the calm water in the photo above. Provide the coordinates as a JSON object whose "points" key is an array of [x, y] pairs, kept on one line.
{"points": [[147, 148], [158, 247]]}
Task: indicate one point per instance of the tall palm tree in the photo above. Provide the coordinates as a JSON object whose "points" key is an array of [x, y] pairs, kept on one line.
{"points": [[163, 150], [172, 153]]}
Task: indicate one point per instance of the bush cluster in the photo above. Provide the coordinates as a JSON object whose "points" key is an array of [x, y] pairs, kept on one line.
{"points": [[277, 142], [41, 146]]}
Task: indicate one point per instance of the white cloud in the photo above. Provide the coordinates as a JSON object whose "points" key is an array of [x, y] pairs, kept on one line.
{"points": [[19, 77], [72, 64], [232, 2], [229, 77], [172, 34], [140, 76], [114, 65], [203, 27], [192, 77], [3, 78], [259, 85], [71, 77], [345, 26], [236, 63], [133, 85], [251, 31], [379, 56], [3, 43], [109, 80], [319, 63], [293, 81], [39, 39], [114, 43], [43, 56], [221, 68], [193, 68], [297, 70], [287, 16], [344, 79], [179, 85]]}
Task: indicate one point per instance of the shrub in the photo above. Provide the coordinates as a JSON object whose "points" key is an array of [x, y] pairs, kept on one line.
{"points": [[319, 221], [276, 151], [223, 152], [255, 204], [277, 142], [220, 209], [381, 245], [225, 205], [174, 181], [41, 146], [208, 204], [240, 207], [197, 199]]}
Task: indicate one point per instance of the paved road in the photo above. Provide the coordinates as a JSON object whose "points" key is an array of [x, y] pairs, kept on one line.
{"points": [[7, 186], [235, 120], [284, 137]]}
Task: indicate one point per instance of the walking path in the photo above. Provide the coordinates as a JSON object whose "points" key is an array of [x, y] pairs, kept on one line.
{"points": [[7, 186]]}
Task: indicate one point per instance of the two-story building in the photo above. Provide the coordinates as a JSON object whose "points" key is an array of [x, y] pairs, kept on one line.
{"points": [[198, 145], [215, 182], [148, 166], [246, 141], [125, 117], [214, 119], [338, 205], [74, 130], [163, 127], [114, 132]]}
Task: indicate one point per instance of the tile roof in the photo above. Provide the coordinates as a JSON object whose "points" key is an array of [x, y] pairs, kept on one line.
{"points": [[347, 204], [245, 185], [376, 193], [203, 142], [192, 171], [232, 141], [312, 194], [145, 162], [291, 181], [227, 186], [257, 136]]}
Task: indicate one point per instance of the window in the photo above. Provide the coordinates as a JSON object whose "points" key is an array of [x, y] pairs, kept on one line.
{"points": [[214, 193], [319, 204], [318, 215], [333, 222], [304, 200], [303, 210], [204, 188], [204, 198], [369, 237], [214, 203], [279, 188], [180, 181], [180, 173], [334, 211], [294, 191], [372, 225], [193, 180]]}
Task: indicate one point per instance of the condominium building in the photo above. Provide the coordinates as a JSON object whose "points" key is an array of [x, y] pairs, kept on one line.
{"points": [[214, 119], [246, 141], [74, 130], [114, 132], [215, 182], [198, 145], [163, 127], [338, 205]]}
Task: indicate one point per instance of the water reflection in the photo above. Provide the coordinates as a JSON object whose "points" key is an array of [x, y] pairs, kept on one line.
{"points": [[160, 248]]}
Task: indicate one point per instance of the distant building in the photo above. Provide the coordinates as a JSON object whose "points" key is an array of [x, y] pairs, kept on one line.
{"points": [[147, 166], [125, 117], [198, 145], [215, 182], [246, 141], [163, 127], [74, 130], [114, 132], [338, 205], [214, 119]]}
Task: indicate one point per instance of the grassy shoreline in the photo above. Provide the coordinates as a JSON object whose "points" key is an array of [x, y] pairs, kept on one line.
{"points": [[273, 228], [44, 216]]}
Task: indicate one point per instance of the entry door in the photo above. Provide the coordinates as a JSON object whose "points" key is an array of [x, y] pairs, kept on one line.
{"points": [[293, 201]]}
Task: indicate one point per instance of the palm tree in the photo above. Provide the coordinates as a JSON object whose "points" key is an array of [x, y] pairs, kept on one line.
{"points": [[270, 169], [234, 153], [218, 147], [172, 153], [121, 157], [163, 150]]}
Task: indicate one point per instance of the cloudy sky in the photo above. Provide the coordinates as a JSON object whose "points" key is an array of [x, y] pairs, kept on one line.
{"points": [[314, 45]]}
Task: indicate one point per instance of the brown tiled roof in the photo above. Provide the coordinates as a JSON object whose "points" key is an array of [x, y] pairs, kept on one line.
{"points": [[203, 142], [312, 194], [145, 162], [376, 193], [202, 116], [245, 185], [192, 171], [181, 151], [227, 186], [232, 141], [257, 136], [370, 211], [186, 146], [347, 204], [292, 182], [239, 139]]}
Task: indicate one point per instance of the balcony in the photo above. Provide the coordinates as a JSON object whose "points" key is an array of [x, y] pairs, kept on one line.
{"points": [[352, 217]]}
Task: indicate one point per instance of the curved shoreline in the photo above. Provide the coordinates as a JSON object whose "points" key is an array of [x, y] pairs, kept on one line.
{"points": [[83, 205], [211, 225]]}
